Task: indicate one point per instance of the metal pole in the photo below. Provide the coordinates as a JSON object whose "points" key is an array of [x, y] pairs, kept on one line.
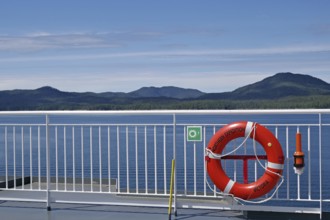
{"points": [[22, 138], [320, 161], [298, 176], [48, 163], [6, 156], [174, 157]]}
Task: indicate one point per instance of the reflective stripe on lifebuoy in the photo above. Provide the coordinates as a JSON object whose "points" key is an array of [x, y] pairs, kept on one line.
{"points": [[269, 143]]}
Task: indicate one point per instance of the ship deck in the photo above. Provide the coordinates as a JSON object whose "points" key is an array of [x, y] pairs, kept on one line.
{"points": [[36, 211]]}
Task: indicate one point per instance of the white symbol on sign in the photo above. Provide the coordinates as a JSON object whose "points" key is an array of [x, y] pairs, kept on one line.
{"points": [[192, 133]]}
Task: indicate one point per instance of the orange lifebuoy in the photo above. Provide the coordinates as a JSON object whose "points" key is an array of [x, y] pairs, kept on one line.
{"points": [[269, 143]]}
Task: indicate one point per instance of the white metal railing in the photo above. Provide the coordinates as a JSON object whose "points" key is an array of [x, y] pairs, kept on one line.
{"points": [[115, 153]]}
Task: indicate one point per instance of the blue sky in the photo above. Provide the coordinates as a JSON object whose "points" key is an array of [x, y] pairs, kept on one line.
{"points": [[210, 45]]}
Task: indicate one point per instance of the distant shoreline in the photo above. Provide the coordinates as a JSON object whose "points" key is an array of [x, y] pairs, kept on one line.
{"points": [[281, 91]]}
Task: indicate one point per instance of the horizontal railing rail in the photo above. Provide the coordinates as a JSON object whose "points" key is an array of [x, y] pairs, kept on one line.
{"points": [[123, 153]]}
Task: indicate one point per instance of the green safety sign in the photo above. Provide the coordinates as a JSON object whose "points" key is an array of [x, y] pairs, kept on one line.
{"points": [[194, 133]]}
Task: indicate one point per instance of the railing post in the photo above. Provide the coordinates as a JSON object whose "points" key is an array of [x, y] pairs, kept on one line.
{"points": [[320, 161], [174, 157], [6, 155], [48, 163]]}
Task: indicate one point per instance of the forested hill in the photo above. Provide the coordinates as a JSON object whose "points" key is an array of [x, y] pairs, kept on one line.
{"points": [[278, 86], [282, 90]]}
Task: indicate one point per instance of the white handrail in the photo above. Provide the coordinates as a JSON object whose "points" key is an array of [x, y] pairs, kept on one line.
{"points": [[171, 112], [95, 153]]}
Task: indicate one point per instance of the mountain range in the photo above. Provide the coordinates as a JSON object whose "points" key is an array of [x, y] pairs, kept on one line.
{"points": [[279, 87]]}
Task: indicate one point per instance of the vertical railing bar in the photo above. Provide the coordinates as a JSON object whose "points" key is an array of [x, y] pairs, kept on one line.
{"points": [[64, 153], [245, 148], [6, 156], [204, 163], [118, 159], [235, 165], [31, 174], [255, 171], [22, 137], [48, 163], [309, 161], [136, 162], [287, 163], [195, 170], [320, 161], [266, 164], [73, 161], [109, 160], [155, 159], [82, 160], [276, 135], [245, 153], [214, 187], [39, 162], [165, 164], [127, 162], [100, 158], [91, 155], [185, 159], [298, 176], [145, 159], [14, 151], [56, 158]]}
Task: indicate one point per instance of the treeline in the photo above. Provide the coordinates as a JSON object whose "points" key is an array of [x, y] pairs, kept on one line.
{"points": [[285, 103], [308, 102]]}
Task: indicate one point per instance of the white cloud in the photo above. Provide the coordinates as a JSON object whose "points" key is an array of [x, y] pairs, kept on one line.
{"points": [[39, 34], [87, 41], [44, 40]]}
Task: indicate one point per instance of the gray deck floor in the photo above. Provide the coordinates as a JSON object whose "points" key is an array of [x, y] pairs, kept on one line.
{"points": [[13, 210], [37, 211], [63, 210]]}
